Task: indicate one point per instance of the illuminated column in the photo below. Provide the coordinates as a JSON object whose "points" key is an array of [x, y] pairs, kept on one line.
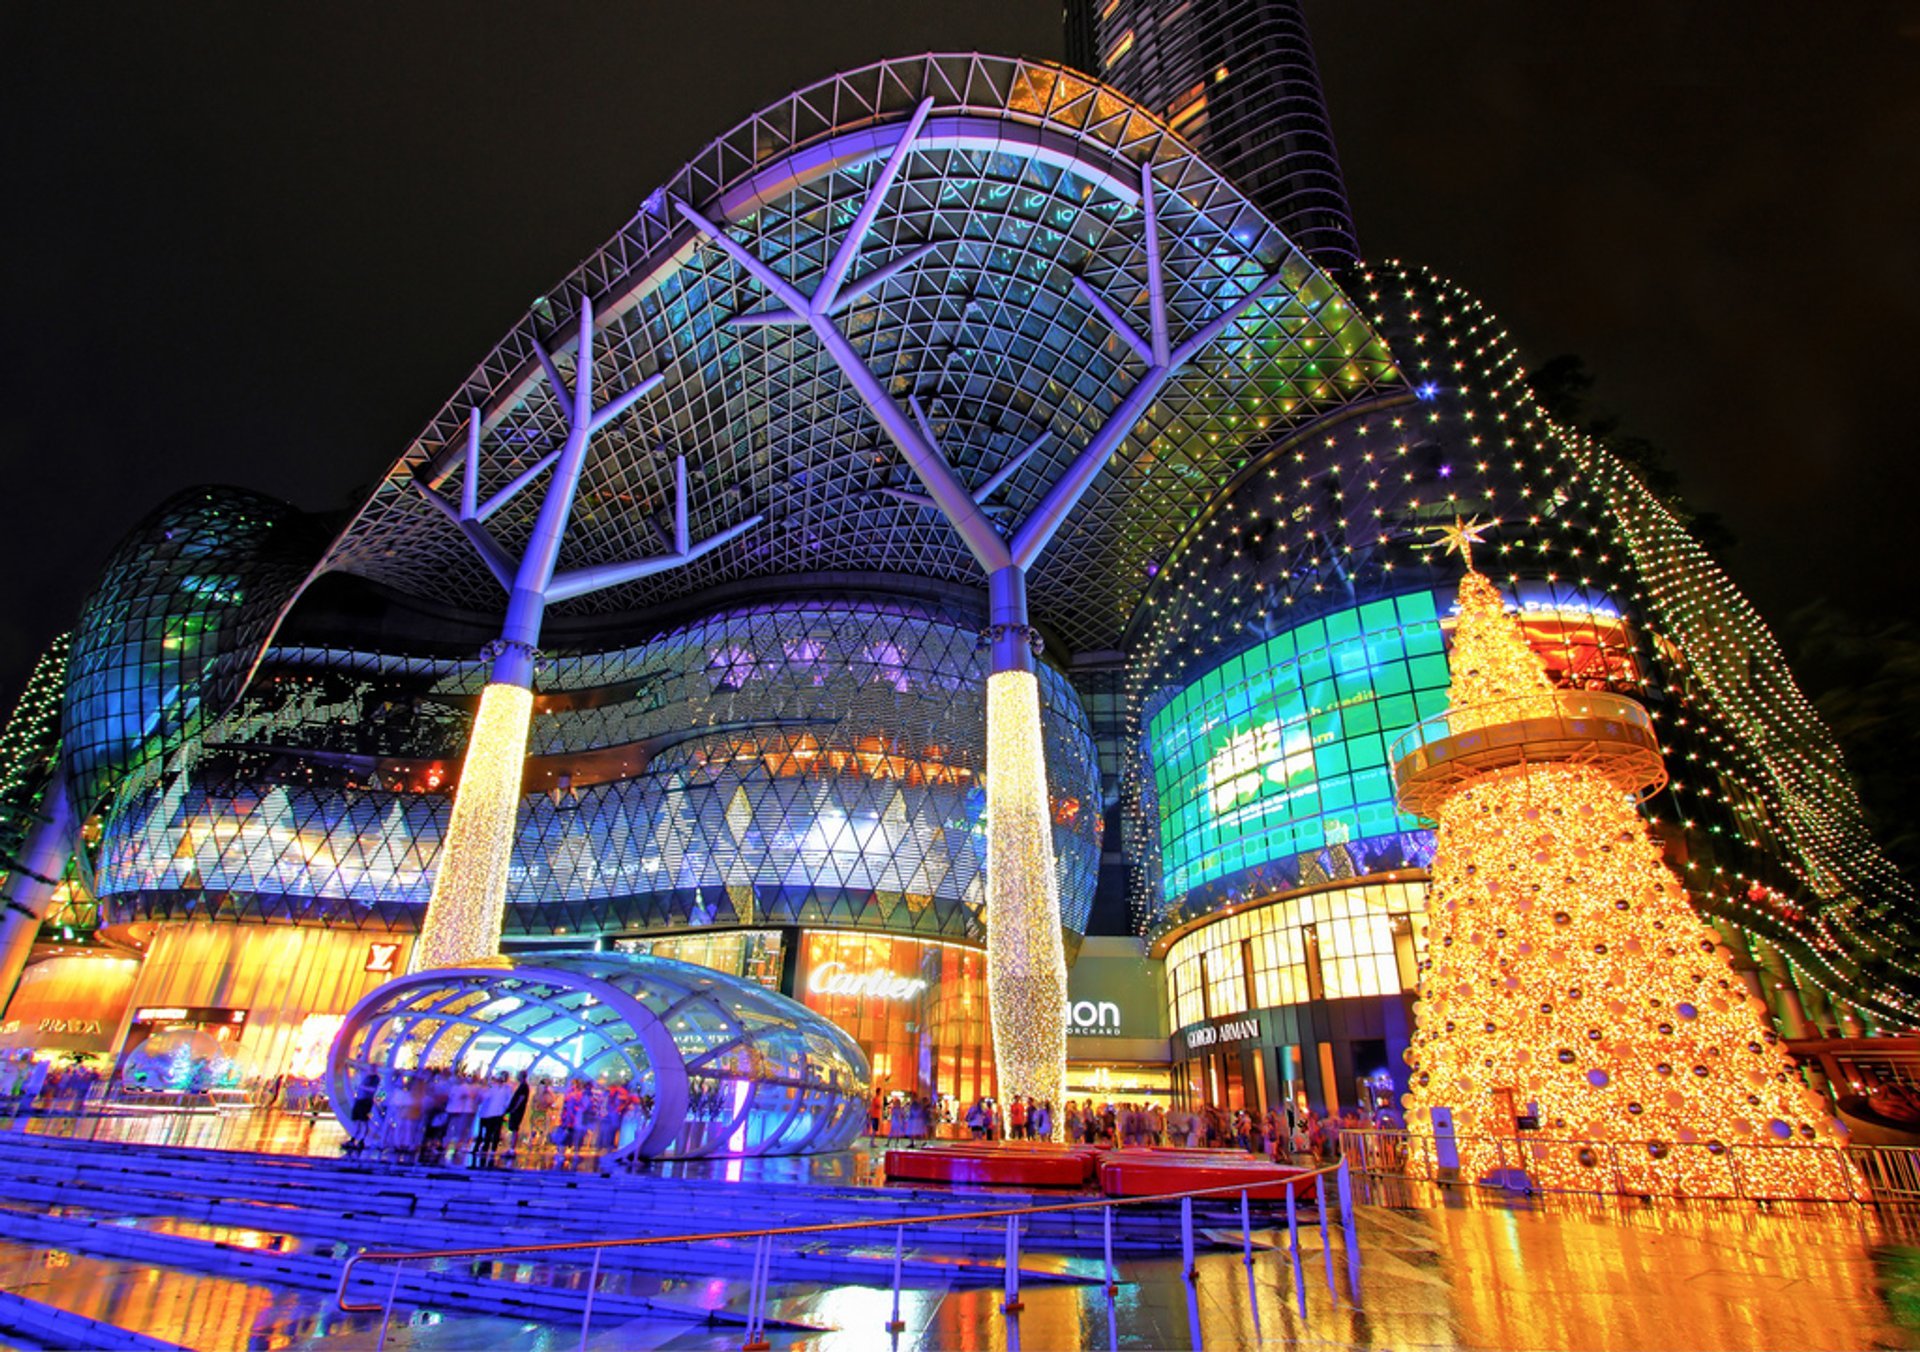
{"points": [[1737, 944], [1783, 997], [1026, 961], [31, 883], [466, 910], [468, 905]]}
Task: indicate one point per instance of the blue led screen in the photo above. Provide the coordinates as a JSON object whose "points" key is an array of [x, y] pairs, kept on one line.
{"points": [[1281, 752]]}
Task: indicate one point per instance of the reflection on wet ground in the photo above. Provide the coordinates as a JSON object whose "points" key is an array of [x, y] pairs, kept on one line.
{"points": [[1450, 1277], [1437, 1272]]}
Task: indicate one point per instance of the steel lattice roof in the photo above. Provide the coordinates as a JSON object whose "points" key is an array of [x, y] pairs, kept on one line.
{"points": [[1024, 177]]}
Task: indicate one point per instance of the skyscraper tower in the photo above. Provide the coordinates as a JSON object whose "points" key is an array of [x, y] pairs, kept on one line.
{"points": [[1237, 79]]}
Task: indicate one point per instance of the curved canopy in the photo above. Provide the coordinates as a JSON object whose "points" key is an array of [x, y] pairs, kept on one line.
{"points": [[1002, 280], [721, 1065]]}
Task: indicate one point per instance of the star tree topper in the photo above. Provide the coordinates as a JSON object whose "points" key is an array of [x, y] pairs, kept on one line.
{"points": [[1461, 537]]}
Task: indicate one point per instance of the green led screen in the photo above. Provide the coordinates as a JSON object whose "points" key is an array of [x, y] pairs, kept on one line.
{"points": [[1283, 750]]}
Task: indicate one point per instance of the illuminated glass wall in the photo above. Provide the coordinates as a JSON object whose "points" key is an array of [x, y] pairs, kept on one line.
{"points": [[172, 627], [1270, 772], [800, 764], [1330, 945], [1281, 752]]}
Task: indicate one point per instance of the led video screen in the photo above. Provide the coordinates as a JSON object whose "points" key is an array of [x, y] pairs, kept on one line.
{"points": [[1282, 750]]}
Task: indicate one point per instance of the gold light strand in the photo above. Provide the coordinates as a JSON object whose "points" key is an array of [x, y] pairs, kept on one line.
{"points": [[467, 909], [1568, 979], [1026, 966]]}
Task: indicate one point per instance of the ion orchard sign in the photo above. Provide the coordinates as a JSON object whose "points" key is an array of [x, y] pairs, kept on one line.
{"points": [[1085, 1018], [1088, 1018]]}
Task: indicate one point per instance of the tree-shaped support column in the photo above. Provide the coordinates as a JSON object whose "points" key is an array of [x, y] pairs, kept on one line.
{"points": [[1026, 963], [467, 908]]}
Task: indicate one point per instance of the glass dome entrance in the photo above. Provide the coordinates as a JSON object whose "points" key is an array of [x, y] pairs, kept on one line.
{"points": [[722, 1066]]}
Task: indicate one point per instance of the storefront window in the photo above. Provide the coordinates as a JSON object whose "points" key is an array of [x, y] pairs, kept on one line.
{"points": [[918, 1010], [753, 954], [1334, 944]]}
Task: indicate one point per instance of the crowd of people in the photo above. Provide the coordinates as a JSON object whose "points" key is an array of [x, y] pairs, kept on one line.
{"points": [[30, 1085], [1285, 1133], [445, 1117]]}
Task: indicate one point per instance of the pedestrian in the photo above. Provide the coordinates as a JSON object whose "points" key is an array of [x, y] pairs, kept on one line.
{"points": [[516, 1113], [360, 1114], [492, 1114]]}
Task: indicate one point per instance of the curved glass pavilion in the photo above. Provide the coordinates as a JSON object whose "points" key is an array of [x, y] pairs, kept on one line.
{"points": [[723, 1066]]}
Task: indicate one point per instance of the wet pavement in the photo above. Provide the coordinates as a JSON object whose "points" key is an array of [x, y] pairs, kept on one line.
{"points": [[1436, 1272]]}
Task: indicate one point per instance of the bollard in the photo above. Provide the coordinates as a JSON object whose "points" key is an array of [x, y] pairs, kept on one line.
{"points": [[1326, 1249], [756, 1340], [1011, 1305], [1293, 1243], [1106, 1228], [1187, 1267], [895, 1324], [1246, 1256], [593, 1284], [386, 1315], [1346, 1204]]}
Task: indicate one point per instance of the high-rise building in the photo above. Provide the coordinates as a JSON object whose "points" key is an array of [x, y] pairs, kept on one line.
{"points": [[1236, 79]]}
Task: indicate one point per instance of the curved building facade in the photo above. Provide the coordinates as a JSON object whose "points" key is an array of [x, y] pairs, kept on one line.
{"points": [[1304, 624], [785, 764]]}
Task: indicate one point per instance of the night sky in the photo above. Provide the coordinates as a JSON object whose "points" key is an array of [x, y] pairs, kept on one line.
{"points": [[261, 244]]}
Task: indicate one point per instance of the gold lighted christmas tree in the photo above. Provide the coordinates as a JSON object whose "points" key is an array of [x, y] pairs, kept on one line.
{"points": [[1568, 979]]}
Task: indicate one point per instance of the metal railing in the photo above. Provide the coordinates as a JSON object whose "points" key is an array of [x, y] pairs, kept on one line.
{"points": [[1608, 733], [1880, 1174], [592, 1252]]}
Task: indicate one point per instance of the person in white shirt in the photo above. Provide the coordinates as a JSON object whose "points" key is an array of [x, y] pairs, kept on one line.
{"points": [[493, 1115]]}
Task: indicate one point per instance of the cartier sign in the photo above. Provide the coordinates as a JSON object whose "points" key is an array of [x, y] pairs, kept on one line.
{"points": [[833, 978]]}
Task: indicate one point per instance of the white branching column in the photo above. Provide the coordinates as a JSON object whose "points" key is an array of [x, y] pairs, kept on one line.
{"points": [[467, 909], [1026, 964]]}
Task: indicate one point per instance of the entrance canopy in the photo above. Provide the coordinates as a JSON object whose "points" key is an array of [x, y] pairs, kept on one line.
{"points": [[981, 235], [723, 1066]]}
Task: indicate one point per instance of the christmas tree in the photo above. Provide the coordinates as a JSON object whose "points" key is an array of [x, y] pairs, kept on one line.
{"points": [[1568, 980]]}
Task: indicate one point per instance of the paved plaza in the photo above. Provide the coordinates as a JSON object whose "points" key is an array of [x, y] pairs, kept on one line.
{"points": [[1434, 1271]]}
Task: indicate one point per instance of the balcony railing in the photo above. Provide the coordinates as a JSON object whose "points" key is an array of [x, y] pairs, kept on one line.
{"points": [[1611, 733]]}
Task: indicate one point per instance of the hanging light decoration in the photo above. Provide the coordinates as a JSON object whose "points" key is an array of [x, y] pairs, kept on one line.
{"points": [[1026, 965]]}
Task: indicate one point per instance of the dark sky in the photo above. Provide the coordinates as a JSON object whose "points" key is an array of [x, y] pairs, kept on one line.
{"points": [[261, 244]]}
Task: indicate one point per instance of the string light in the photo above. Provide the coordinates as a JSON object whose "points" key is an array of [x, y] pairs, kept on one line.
{"points": [[1775, 842], [467, 909], [1568, 979], [1026, 965]]}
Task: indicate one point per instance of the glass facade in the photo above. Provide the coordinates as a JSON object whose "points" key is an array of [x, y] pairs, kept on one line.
{"points": [[918, 1010], [1328, 945], [171, 630], [1273, 770], [1280, 753], [802, 764]]}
